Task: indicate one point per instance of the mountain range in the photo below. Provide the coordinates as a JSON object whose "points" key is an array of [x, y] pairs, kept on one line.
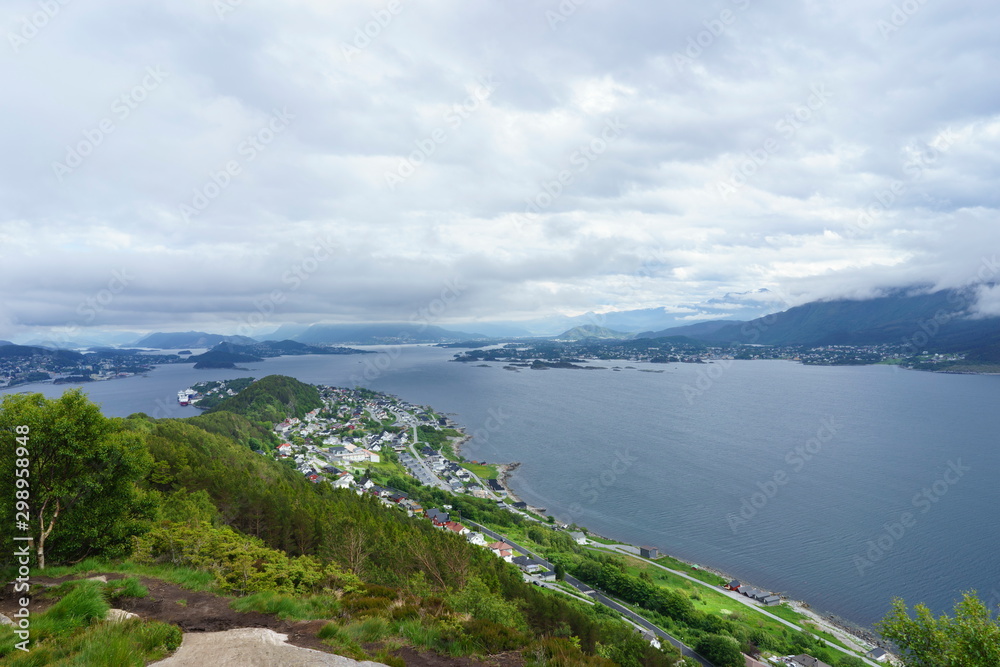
{"points": [[373, 334], [169, 341], [934, 321]]}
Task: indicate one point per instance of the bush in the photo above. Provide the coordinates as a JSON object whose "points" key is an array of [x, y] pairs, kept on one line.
{"points": [[492, 637], [720, 650]]}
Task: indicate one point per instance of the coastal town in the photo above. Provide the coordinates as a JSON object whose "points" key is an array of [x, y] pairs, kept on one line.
{"points": [[24, 364], [358, 434]]}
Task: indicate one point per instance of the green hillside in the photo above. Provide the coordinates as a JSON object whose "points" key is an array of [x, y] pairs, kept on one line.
{"points": [[188, 500], [271, 399]]}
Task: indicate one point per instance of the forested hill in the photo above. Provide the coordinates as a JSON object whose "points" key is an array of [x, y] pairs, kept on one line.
{"points": [[184, 496], [272, 399]]}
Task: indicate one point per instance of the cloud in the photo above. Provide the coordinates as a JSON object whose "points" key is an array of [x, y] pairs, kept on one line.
{"points": [[817, 150]]}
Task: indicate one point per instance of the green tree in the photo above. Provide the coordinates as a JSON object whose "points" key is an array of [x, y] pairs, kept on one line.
{"points": [[850, 661], [969, 639], [720, 650], [81, 469]]}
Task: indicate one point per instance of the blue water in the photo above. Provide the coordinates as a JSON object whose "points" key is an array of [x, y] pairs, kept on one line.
{"points": [[671, 459]]}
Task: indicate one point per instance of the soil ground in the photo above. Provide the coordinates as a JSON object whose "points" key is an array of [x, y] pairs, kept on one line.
{"points": [[196, 612]]}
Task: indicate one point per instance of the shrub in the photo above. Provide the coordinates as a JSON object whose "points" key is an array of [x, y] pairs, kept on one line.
{"points": [[720, 650], [492, 637]]}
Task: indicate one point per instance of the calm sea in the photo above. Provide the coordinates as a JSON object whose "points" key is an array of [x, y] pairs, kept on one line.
{"points": [[840, 486]]}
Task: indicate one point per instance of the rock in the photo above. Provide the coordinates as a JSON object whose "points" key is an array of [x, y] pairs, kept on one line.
{"points": [[101, 578], [6, 621], [119, 615], [251, 647]]}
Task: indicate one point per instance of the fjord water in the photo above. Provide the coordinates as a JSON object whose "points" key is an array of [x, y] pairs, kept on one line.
{"points": [[840, 486]]}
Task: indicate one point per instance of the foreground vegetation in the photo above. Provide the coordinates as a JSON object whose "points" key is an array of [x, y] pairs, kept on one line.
{"points": [[192, 496], [73, 630], [189, 501]]}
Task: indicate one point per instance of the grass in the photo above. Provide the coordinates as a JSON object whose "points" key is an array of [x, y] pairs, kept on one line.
{"points": [[786, 612], [337, 638], [482, 471], [129, 587], [712, 601], [195, 580], [72, 632], [288, 607], [701, 575]]}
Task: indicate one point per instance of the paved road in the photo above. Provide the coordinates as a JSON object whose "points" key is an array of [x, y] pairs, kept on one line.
{"points": [[602, 598], [735, 596]]}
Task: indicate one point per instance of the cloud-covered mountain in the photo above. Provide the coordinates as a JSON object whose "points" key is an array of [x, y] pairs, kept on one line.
{"points": [[919, 319], [170, 341]]}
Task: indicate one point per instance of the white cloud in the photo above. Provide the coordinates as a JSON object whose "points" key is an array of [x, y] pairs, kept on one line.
{"points": [[859, 161]]}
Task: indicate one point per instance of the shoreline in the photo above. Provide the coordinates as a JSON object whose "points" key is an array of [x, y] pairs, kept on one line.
{"points": [[846, 631]]}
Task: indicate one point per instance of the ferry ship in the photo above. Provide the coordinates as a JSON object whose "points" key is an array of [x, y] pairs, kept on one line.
{"points": [[183, 397]]}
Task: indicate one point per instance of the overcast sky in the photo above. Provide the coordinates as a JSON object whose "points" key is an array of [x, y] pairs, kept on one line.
{"points": [[178, 164]]}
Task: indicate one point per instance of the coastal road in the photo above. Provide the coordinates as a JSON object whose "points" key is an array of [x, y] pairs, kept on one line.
{"points": [[737, 597], [595, 594]]}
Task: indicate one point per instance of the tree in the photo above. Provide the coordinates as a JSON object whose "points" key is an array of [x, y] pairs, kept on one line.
{"points": [[851, 661], [81, 470], [720, 650], [970, 639]]}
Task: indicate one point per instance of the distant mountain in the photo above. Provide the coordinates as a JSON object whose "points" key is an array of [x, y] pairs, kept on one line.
{"points": [[498, 329], [591, 331], [379, 334], [5, 342], [86, 338], [167, 341], [217, 358], [736, 306], [932, 321], [690, 330], [270, 348], [12, 351], [285, 332]]}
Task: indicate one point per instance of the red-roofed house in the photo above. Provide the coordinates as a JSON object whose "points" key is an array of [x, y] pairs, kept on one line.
{"points": [[503, 550], [456, 527]]}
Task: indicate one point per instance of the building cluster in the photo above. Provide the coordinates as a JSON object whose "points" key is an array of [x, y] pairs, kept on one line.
{"points": [[329, 441], [23, 369], [765, 598]]}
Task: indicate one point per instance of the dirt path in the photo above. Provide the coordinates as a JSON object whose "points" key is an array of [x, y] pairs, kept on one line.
{"points": [[249, 638]]}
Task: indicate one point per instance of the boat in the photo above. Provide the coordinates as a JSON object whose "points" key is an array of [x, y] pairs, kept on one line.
{"points": [[183, 398]]}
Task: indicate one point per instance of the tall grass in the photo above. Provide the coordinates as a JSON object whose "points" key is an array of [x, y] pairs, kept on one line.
{"points": [[72, 632], [337, 638], [288, 607], [195, 580], [369, 630]]}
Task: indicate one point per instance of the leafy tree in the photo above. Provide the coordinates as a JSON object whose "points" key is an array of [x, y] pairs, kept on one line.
{"points": [[81, 467], [970, 639], [720, 650], [851, 661]]}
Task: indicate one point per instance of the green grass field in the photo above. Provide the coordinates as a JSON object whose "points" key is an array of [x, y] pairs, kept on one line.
{"points": [[482, 471]]}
